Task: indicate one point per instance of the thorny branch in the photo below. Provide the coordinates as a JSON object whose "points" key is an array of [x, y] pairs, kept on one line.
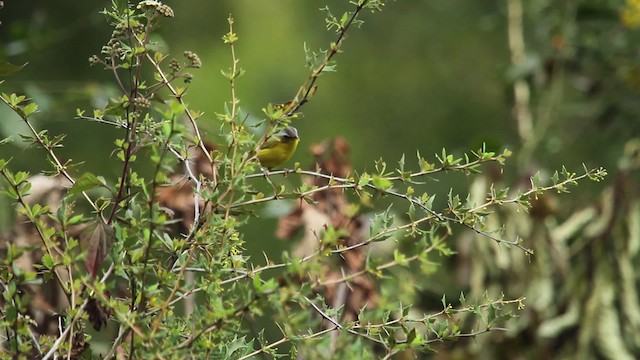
{"points": [[347, 183], [78, 314], [62, 169], [307, 88]]}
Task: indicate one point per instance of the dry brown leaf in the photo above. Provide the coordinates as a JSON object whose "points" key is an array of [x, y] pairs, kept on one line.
{"points": [[98, 314], [330, 209], [97, 238], [179, 196]]}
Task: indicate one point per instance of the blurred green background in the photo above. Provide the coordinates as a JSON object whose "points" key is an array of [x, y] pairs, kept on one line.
{"points": [[416, 77]]}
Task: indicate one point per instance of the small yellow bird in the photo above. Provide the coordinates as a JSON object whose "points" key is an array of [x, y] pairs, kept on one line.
{"points": [[278, 148]]}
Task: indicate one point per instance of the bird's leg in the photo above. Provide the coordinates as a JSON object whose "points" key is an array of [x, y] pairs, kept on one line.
{"points": [[265, 171]]}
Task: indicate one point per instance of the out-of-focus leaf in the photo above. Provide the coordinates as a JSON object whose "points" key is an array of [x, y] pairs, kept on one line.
{"points": [[7, 69], [549, 329], [608, 336]]}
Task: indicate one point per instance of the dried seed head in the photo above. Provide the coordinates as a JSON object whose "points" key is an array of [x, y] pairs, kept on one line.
{"points": [[141, 102], [193, 59], [157, 6], [174, 65], [94, 59]]}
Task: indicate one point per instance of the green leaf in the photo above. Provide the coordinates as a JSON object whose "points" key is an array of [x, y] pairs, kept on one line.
{"points": [[399, 257], [411, 336], [30, 109], [20, 176], [425, 166], [257, 283], [238, 346], [7, 69], [7, 140], [381, 183], [412, 212], [491, 315], [47, 261], [86, 182], [75, 219], [381, 222], [364, 180], [10, 193]]}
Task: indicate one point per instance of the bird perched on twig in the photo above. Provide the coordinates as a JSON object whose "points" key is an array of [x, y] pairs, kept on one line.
{"points": [[278, 148]]}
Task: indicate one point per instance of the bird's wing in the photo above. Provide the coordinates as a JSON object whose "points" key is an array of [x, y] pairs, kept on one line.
{"points": [[271, 142]]}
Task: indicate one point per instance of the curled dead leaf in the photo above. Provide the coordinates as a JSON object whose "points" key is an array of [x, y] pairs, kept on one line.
{"points": [[97, 239]]}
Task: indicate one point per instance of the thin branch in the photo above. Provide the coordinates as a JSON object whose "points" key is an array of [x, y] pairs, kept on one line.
{"points": [[116, 342], [179, 97], [78, 315], [216, 324], [381, 267], [286, 339], [340, 327], [302, 96], [447, 310], [187, 162], [265, 348], [538, 190], [60, 168], [46, 240], [348, 183]]}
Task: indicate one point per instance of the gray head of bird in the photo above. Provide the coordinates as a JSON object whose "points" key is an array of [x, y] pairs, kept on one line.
{"points": [[289, 133]]}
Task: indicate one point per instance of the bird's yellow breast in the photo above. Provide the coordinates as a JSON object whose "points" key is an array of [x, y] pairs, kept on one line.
{"points": [[271, 157]]}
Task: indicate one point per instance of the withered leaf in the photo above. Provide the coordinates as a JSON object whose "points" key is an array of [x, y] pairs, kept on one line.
{"points": [[79, 347], [98, 314], [332, 208], [97, 238], [289, 224]]}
